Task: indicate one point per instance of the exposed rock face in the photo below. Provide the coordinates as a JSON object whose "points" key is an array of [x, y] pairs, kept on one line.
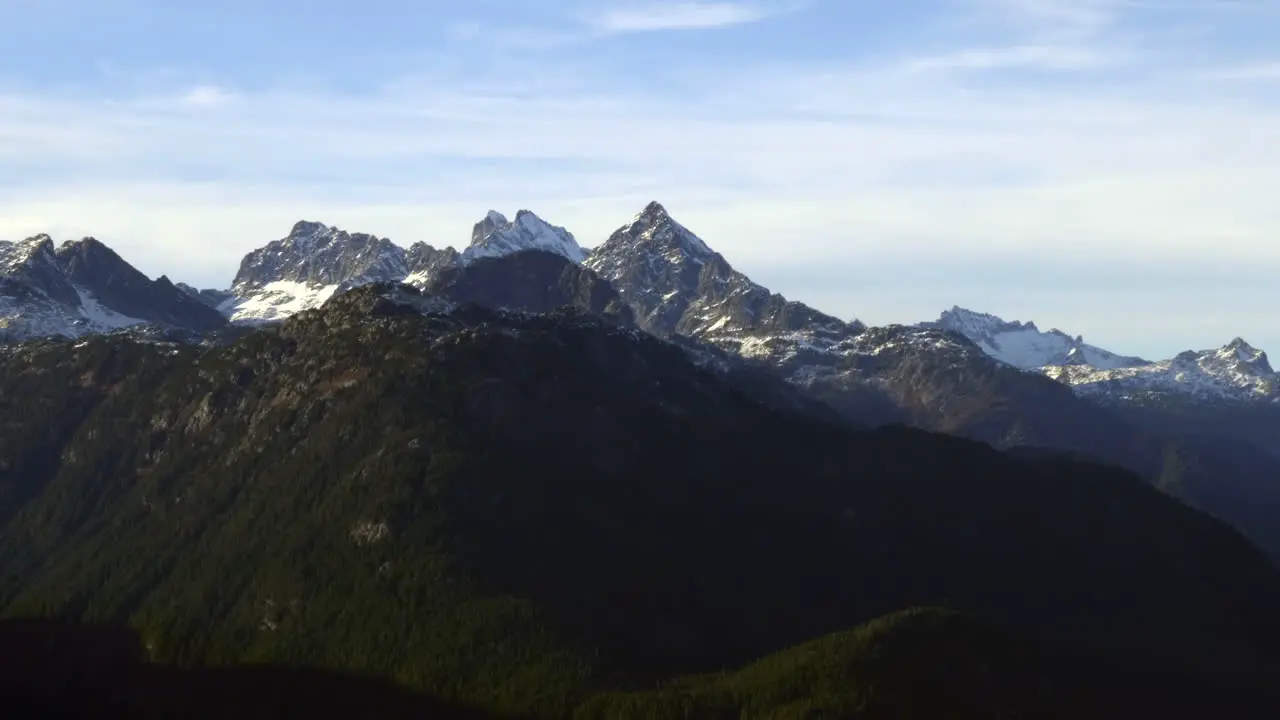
{"points": [[83, 287], [307, 267], [530, 281]]}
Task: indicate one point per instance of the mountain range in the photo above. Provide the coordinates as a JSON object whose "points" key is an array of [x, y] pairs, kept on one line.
{"points": [[533, 479], [1204, 426], [674, 282]]}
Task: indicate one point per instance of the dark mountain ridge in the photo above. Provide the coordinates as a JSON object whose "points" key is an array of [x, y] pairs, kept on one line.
{"points": [[657, 273], [521, 511]]}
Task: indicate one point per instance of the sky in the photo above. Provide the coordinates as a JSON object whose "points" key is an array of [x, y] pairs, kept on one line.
{"points": [[1107, 167]]}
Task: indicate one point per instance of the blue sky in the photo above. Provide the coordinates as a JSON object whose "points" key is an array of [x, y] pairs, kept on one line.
{"points": [[1109, 167]]}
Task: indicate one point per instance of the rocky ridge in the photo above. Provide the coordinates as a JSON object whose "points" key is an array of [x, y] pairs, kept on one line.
{"points": [[84, 288]]}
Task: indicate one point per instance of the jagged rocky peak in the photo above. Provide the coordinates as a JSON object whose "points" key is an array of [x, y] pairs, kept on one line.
{"points": [[1237, 356], [495, 236], [492, 221], [318, 255], [308, 228], [86, 251], [1246, 358], [425, 262], [1236, 371], [13, 254], [655, 226], [661, 269], [677, 285], [307, 267], [84, 287], [1244, 352], [973, 324]]}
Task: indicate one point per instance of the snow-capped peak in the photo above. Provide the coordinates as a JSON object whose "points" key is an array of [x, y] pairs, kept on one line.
{"points": [[83, 287], [1235, 371], [307, 267], [1024, 345], [1245, 354], [1240, 357], [13, 254], [971, 323], [495, 236], [655, 224]]}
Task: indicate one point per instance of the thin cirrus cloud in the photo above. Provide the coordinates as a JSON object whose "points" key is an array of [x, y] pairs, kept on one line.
{"points": [[1267, 71], [689, 15], [207, 96], [1052, 57]]}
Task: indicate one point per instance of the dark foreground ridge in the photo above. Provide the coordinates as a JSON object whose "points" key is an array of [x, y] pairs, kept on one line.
{"points": [[920, 663], [557, 514], [65, 670]]}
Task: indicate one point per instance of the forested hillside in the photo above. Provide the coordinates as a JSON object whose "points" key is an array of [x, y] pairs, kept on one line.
{"points": [[555, 514]]}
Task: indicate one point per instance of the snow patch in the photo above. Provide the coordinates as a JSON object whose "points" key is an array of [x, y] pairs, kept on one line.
{"points": [[103, 317], [276, 301]]}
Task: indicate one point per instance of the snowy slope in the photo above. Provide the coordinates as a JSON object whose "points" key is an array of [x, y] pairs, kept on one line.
{"points": [[275, 301], [1025, 346], [306, 268], [14, 254], [1236, 371]]}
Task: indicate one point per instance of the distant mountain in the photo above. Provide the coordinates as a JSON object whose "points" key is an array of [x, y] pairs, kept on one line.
{"points": [[211, 297], [316, 261], [1236, 371], [945, 376], [967, 373], [678, 285], [1024, 346], [81, 288], [307, 267]]}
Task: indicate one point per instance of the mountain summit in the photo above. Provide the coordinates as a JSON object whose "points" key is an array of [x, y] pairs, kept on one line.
{"points": [[495, 236], [306, 267], [677, 284], [1025, 346], [83, 287], [1235, 371]]}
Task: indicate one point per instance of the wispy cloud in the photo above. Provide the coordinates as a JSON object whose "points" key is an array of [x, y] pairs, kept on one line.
{"points": [[1051, 18], [207, 96], [1048, 57], [1251, 71], [684, 15]]}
